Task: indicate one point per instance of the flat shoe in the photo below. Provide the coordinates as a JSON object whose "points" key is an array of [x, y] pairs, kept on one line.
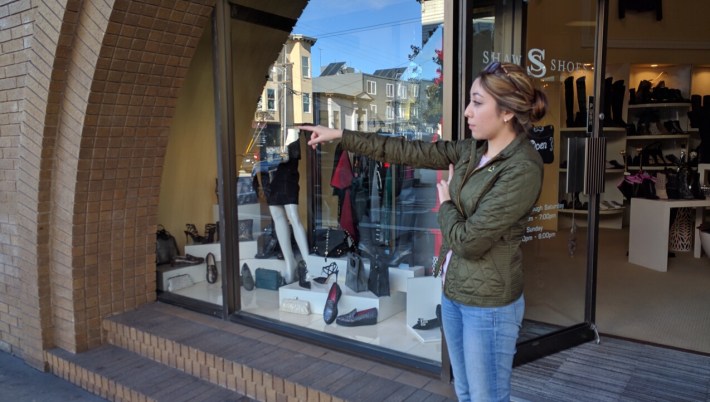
{"points": [[246, 278], [358, 318]]}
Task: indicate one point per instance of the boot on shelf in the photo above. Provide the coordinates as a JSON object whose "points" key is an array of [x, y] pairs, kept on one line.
{"points": [[618, 90], [608, 96], [581, 117], [569, 100]]}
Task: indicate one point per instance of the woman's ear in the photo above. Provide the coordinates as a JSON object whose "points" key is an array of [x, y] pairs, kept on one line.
{"points": [[507, 116]]}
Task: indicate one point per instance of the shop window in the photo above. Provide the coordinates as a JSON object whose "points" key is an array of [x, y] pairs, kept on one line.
{"points": [[379, 206]]}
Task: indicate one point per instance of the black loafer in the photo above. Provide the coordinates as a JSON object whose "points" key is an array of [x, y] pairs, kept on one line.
{"points": [[330, 311], [358, 318]]}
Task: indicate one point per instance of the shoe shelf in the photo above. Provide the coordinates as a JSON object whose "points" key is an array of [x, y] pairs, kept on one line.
{"points": [[610, 211], [658, 137], [659, 105]]}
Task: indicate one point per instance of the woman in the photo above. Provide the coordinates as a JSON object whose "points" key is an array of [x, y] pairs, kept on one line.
{"points": [[485, 205]]}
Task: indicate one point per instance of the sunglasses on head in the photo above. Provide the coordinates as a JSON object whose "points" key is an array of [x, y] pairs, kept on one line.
{"points": [[492, 67], [495, 67]]}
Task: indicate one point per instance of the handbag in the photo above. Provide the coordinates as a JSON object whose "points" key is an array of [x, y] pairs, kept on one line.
{"points": [[295, 306], [268, 279], [267, 245], [246, 227], [331, 242], [355, 277], [379, 280], [246, 194], [166, 248]]}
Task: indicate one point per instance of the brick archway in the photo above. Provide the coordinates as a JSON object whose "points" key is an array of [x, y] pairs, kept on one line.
{"points": [[101, 85]]}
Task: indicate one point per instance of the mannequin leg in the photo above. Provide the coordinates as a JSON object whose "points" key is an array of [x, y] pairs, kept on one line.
{"points": [[283, 233], [298, 231]]}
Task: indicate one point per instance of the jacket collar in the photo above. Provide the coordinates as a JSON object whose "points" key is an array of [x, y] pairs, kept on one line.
{"points": [[482, 146]]}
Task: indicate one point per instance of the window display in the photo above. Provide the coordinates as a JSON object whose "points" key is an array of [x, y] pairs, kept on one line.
{"points": [[345, 235]]}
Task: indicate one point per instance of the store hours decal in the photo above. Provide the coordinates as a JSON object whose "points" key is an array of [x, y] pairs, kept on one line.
{"points": [[535, 229]]}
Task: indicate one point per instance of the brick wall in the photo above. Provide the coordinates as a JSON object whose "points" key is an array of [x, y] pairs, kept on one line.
{"points": [[83, 131]]}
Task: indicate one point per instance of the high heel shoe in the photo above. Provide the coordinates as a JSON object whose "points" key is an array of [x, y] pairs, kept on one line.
{"points": [[302, 271], [192, 232], [210, 230], [330, 311], [328, 270]]}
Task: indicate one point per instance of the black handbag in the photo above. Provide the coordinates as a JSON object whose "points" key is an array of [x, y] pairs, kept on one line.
{"points": [[246, 226], [268, 279], [355, 277], [267, 245], [331, 242], [166, 248], [379, 280]]}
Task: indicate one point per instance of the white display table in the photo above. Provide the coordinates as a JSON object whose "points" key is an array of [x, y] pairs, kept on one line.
{"points": [[648, 231]]}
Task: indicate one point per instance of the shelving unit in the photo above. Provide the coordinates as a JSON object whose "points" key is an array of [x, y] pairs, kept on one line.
{"points": [[686, 78]]}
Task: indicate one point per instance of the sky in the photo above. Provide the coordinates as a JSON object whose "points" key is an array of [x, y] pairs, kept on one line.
{"points": [[366, 34]]}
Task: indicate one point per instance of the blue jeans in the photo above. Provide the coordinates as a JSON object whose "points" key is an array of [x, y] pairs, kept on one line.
{"points": [[481, 343]]}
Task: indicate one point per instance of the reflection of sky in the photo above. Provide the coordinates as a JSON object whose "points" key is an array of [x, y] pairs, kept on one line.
{"points": [[368, 35]]}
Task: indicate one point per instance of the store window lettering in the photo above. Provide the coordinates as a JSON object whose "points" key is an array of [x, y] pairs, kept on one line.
{"points": [[537, 67], [539, 214]]}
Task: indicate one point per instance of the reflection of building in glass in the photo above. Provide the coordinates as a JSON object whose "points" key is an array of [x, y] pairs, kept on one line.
{"points": [[432, 17], [377, 102], [287, 96]]}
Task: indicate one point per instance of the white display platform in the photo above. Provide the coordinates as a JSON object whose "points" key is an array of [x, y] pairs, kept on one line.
{"points": [[387, 306], [400, 275], [201, 250], [648, 230], [423, 294]]}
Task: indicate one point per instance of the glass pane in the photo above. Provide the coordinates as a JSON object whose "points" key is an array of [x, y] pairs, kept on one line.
{"points": [[372, 67], [658, 99], [188, 197], [554, 246]]}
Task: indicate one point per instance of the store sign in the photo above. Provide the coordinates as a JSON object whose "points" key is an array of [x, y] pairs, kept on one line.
{"points": [[538, 66]]}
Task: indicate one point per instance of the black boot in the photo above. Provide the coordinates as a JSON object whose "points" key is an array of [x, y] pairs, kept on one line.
{"points": [[643, 92], [607, 122], [581, 117], [569, 100], [695, 112], [618, 90]]}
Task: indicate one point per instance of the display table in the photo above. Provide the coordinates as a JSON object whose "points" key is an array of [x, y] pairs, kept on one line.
{"points": [[648, 232]]}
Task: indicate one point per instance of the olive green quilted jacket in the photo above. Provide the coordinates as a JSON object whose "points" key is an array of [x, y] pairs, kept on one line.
{"points": [[485, 220]]}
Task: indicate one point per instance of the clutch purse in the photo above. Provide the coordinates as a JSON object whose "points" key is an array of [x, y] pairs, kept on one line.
{"points": [[296, 306]]}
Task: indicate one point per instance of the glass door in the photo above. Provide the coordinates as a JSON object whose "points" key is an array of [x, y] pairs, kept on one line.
{"points": [[555, 41]]}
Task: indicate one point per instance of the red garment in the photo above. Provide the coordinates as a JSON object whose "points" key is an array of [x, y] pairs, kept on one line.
{"points": [[343, 174], [346, 217]]}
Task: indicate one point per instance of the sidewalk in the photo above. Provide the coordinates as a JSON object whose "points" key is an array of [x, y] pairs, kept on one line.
{"points": [[20, 383]]}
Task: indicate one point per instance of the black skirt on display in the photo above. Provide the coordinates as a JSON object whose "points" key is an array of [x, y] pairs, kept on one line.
{"points": [[281, 187]]}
